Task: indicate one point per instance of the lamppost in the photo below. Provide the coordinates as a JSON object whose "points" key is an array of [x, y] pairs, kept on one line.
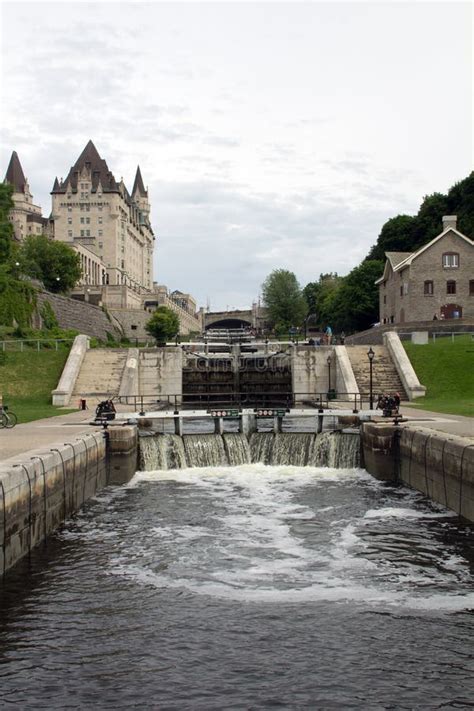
{"points": [[328, 361], [370, 356]]}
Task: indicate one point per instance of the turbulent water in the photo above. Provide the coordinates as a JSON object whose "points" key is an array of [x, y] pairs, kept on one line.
{"points": [[329, 449], [246, 587]]}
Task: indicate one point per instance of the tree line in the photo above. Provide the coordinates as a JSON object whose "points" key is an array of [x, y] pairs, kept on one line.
{"points": [[351, 303]]}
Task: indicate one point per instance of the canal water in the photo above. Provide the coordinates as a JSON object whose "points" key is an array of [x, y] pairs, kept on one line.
{"points": [[246, 587]]}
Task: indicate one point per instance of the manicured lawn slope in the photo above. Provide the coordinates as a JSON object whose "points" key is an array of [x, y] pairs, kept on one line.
{"points": [[26, 381], [446, 368]]}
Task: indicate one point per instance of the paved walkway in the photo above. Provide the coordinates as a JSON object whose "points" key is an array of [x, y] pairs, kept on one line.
{"points": [[43, 433], [452, 424]]}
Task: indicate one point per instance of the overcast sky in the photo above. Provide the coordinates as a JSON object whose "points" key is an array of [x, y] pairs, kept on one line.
{"points": [[270, 135]]}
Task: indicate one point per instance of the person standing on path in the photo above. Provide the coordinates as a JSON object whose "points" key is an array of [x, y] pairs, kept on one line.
{"points": [[328, 335]]}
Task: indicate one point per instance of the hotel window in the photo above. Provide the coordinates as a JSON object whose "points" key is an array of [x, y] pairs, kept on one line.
{"points": [[450, 260], [69, 220], [100, 207], [101, 244], [471, 287], [450, 287], [88, 220], [82, 233], [69, 233], [88, 233], [100, 233], [100, 220], [428, 288], [82, 220]]}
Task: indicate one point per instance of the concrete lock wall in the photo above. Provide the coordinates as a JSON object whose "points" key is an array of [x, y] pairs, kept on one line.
{"points": [[310, 372], [40, 489], [439, 465], [161, 372]]}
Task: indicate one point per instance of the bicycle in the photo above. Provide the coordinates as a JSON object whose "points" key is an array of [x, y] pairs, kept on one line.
{"points": [[8, 418]]}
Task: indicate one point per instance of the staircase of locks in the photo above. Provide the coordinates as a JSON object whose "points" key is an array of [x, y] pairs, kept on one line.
{"points": [[246, 373]]}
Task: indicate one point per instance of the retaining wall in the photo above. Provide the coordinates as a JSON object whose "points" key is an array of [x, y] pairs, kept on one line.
{"points": [[40, 489], [439, 465], [81, 316]]}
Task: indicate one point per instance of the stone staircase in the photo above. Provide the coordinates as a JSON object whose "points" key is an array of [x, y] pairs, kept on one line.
{"points": [[100, 374], [385, 378]]}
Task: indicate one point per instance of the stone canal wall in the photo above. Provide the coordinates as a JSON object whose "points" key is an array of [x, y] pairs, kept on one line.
{"points": [[40, 489], [439, 465]]}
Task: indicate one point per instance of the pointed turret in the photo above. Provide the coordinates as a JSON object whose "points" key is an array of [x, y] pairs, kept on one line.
{"points": [[55, 186], [15, 175], [90, 164], [138, 185]]}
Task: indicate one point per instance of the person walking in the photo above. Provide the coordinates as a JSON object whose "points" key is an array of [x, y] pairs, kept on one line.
{"points": [[328, 335]]}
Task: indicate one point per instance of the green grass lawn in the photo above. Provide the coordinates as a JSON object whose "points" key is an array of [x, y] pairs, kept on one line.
{"points": [[26, 381], [446, 368]]}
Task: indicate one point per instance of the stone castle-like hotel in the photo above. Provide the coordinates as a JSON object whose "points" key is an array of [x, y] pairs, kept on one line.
{"points": [[111, 231]]}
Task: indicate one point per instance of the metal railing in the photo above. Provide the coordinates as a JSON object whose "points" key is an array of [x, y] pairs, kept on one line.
{"points": [[187, 401], [34, 344]]}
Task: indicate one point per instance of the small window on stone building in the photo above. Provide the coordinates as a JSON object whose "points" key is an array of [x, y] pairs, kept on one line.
{"points": [[82, 220], [100, 220], [450, 260], [385, 298], [401, 290], [82, 233], [100, 233], [133, 327], [471, 287], [428, 288], [69, 220], [69, 233], [450, 287]]}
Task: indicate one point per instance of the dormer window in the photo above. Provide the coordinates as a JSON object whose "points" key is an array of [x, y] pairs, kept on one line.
{"points": [[450, 260]]}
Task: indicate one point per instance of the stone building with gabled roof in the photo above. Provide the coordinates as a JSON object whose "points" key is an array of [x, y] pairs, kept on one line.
{"points": [[436, 280], [90, 208], [25, 216]]}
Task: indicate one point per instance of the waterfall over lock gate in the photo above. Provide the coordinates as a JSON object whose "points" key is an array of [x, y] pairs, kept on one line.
{"points": [[330, 449]]}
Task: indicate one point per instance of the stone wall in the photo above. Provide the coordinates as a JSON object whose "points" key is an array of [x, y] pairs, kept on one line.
{"points": [[40, 489], [133, 322], [374, 336], [439, 465], [85, 318]]}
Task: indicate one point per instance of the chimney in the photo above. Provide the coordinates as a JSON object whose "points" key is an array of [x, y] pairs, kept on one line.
{"points": [[449, 221]]}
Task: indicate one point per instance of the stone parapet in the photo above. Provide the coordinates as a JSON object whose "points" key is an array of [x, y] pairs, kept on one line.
{"points": [[39, 489], [62, 394], [405, 370], [439, 465]]}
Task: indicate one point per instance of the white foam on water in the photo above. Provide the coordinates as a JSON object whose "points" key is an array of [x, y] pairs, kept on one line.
{"points": [[262, 540], [404, 513]]}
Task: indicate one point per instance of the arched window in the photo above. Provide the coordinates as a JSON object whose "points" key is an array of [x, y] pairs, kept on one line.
{"points": [[451, 287], [450, 260]]}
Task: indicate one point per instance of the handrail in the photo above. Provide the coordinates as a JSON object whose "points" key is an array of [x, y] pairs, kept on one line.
{"points": [[183, 401]]}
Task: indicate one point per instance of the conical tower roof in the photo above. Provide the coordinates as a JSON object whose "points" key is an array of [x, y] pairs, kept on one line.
{"points": [[91, 160], [15, 175], [138, 184]]}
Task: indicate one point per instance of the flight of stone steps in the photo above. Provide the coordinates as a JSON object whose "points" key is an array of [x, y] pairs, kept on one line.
{"points": [[385, 378], [100, 375]]}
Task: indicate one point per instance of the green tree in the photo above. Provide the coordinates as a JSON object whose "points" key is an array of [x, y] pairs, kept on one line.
{"points": [[284, 300], [6, 228], [163, 325], [354, 304], [395, 236], [319, 295], [54, 263], [17, 300]]}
